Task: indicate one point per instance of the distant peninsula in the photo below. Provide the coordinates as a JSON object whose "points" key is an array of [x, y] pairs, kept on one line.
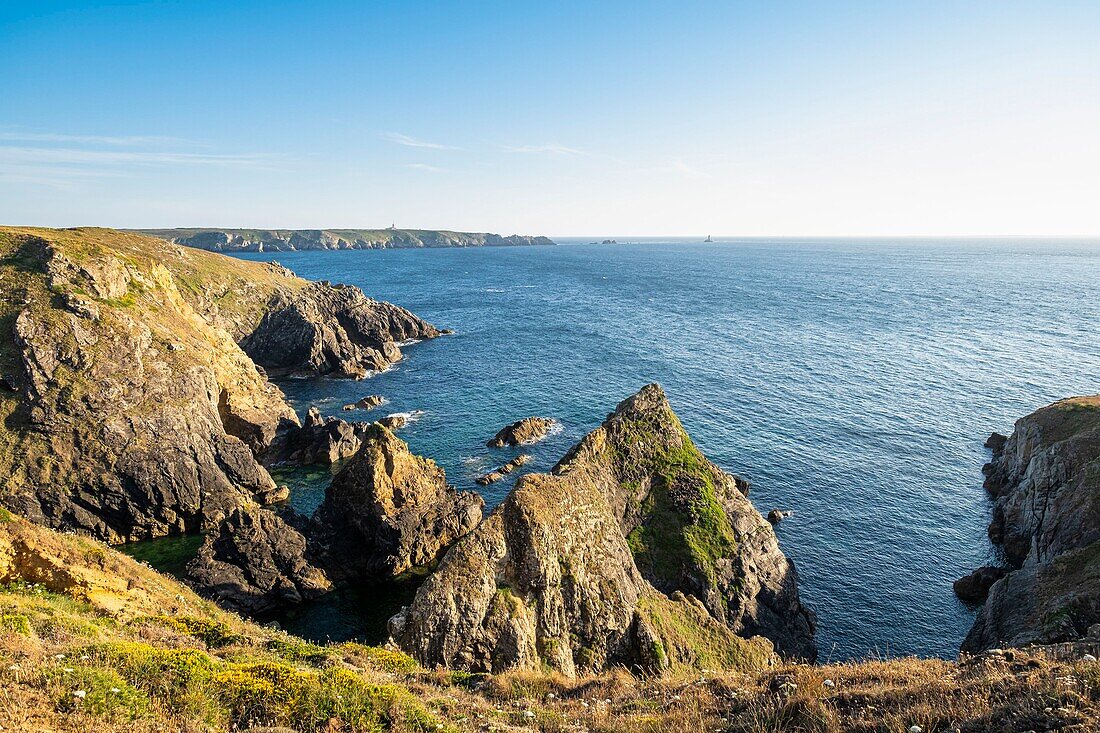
{"points": [[283, 240]]}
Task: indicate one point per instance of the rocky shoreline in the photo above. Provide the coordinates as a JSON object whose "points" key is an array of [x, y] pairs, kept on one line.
{"points": [[287, 240]]}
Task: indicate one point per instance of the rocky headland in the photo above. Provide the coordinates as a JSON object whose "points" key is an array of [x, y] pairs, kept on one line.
{"points": [[595, 565], [1045, 483], [137, 402], [280, 240]]}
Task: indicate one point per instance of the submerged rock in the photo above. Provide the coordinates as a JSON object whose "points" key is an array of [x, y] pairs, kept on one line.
{"points": [[255, 561], [522, 432], [496, 475], [562, 573], [389, 511]]}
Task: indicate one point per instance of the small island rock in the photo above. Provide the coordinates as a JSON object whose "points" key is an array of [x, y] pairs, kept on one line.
{"points": [[521, 432]]}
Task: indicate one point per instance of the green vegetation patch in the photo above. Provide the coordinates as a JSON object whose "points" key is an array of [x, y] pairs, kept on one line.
{"points": [[691, 640]]}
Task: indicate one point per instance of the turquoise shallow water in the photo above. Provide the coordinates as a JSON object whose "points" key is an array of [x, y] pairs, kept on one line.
{"points": [[853, 382]]}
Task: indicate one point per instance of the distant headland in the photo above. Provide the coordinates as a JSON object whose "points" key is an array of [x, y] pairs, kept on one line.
{"points": [[282, 240]]}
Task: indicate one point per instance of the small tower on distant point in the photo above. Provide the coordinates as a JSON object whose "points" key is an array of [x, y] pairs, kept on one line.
{"points": [[392, 225]]}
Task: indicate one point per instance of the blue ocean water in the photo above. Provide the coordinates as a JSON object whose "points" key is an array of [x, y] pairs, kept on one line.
{"points": [[853, 382]]}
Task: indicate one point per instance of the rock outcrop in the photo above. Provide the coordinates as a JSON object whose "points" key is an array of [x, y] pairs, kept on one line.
{"points": [[1046, 517], [279, 240], [331, 329], [522, 432], [974, 587], [389, 511], [319, 440], [131, 410], [255, 561], [497, 474], [635, 551]]}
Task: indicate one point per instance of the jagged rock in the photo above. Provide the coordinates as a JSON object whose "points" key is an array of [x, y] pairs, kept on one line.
{"points": [[996, 442], [323, 440], [974, 588], [522, 432], [327, 329], [1046, 515], [370, 402], [690, 524], [131, 410], [393, 422], [255, 562], [493, 476], [559, 575], [388, 511], [1046, 499]]}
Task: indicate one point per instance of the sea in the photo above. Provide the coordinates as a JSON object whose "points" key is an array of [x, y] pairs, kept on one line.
{"points": [[852, 381]]}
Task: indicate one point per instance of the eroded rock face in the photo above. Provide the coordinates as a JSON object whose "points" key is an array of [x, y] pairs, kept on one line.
{"points": [[130, 410], [389, 511], [561, 575], [331, 329], [974, 587], [522, 432], [1046, 516], [256, 561]]}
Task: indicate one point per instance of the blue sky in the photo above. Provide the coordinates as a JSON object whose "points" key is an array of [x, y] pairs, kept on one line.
{"points": [[610, 118]]}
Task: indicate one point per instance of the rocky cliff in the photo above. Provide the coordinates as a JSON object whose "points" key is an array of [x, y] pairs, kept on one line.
{"points": [[279, 240], [1045, 481], [127, 407], [634, 551]]}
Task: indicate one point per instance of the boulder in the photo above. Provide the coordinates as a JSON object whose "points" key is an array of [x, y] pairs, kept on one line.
{"points": [[256, 561], [974, 588], [393, 422], [370, 402], [522, 432], [389, 511]]}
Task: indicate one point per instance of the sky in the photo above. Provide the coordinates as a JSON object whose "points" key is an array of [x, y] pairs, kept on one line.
{"points": [[557, 118]]}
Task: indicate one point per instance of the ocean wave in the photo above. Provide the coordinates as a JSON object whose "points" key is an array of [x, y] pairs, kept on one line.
{"points": [[407, 342], [411, 416]]}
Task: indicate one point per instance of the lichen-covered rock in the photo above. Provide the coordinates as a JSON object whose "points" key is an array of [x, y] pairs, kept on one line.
{"points": [[1046, 516], [331, 329], [690, 525], [522, 432], [255, 561], [550, 578], [389, 511], [393, 422]]}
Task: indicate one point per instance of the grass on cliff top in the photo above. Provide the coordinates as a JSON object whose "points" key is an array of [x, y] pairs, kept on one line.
{"points": [[66, 667]]}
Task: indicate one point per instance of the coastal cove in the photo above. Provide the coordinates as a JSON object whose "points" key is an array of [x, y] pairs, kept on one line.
{"points": [[852, 382]]}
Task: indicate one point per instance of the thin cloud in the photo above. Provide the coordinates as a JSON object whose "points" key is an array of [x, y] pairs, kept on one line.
{"points": [[78, 156], [546, 149], [120, 141], [412, 142], [425, 167], [684, 169]]}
